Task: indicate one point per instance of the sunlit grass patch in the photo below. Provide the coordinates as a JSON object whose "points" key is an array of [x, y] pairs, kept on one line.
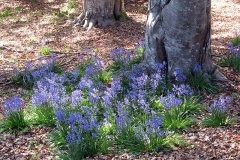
{"points": [[5, 13], [45, 50]]}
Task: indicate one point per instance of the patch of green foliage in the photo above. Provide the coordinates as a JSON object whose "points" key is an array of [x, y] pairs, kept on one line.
{"points": [[231, 60], [5, 13], [45, 50], [202, 82]]}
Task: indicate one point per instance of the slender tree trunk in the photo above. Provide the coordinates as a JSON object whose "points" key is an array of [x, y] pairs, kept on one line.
{"points": [[178, 32], [100, 12]]}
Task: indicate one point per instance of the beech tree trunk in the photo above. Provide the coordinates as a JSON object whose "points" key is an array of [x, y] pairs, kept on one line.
{"points": [[100, 12], [178, 32]]}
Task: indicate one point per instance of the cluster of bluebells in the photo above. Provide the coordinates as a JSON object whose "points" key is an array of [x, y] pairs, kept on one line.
{"points": [[70, 77], [179, 75], [182, 90], [170, 101], [221, 104], [109, 98], [142, 86], [12, 104], [150, 129], [122, 117], [121, 56], [80, 118], [36, 73], [49, 92], [79, 123]]}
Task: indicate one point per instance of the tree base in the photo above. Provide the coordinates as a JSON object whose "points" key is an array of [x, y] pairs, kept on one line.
{"points": [[99, 12]]}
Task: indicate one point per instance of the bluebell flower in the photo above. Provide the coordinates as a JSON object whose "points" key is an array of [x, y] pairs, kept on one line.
{"points": [[12, 104], [179, 75], [197, 68], [98, 64], [234, 48], [106, 101], [93, 96], [160, 66], [80, 57], [29, 65], [85, 83], [122, 118], [152, 128], [60, 115], [118, 54], [220, 104], [182, 90], [71, 138], [76, 98], [53, 57], [116, 85], [71, 120], [170, 101], [49, 92]]}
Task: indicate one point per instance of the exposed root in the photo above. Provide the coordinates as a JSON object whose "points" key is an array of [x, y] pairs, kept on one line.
{"points": [[219, 76], [99, 12]]}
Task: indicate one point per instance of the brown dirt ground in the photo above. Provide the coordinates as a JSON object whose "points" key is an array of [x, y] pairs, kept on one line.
{"points": [[20, 40]]}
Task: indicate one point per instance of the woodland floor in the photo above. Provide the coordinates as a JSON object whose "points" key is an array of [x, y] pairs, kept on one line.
{"points": [[20, 40]]}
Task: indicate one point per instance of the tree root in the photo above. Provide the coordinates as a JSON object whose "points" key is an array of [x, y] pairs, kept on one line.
{"points": [[219, 76], [88, 21]]}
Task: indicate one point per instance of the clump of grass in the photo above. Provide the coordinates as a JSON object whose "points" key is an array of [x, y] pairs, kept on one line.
{"points": [[53, 21], [5, 13], [178, 114], [231, 60], [41, 115], [201, 81], [235, 41], [19, 10], [45, 50], [72, 4]]}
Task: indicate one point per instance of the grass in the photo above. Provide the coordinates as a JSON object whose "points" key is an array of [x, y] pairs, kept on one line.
{"points": [[5, 13], [45, 50], [231, 60]]}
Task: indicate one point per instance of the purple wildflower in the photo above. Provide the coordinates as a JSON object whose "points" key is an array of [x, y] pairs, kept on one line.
{"points": [[179, 75], [76, 97], [220, 104], [60, 115], [12, 104], [170, 101], [85, 83], [197, 68], [182, 90]]}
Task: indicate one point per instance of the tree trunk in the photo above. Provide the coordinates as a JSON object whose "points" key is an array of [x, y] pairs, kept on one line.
{"points": [[178, 32], [100, 12]]}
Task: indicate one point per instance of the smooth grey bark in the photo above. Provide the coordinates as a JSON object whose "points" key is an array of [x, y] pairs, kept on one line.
{"points": [[100, 12], [178, 32]]}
